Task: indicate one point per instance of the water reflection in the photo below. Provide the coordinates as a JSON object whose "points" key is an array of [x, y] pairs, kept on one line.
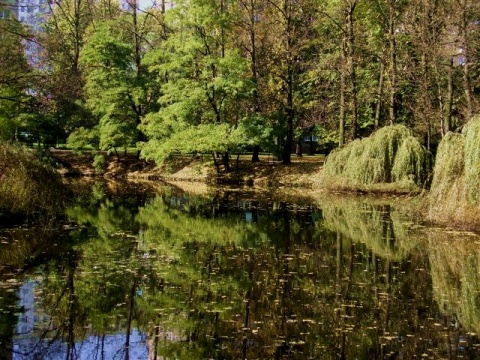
{"points": [[232, 276]]}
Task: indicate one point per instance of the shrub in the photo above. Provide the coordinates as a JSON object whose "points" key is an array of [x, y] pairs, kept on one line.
{"points": [[455, 191], [472, 160], [27, 184], [391, 154], [99, 163]]}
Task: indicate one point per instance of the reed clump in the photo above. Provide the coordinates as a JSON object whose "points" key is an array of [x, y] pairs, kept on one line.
{"points": [[455, 192], [27, 184], [390, 155]]}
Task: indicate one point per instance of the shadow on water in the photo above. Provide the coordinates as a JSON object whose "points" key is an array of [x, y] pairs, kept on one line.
{"points": [[136, 274]]}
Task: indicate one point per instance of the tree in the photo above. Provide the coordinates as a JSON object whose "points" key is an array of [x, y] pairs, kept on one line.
{"points": [[287, 41], [108, 88], [59, 46], [201, 77], [117, 88], [15, 77]]}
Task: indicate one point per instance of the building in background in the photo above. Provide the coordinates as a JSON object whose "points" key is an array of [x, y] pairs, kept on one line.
{"points": [[127, 5], [33, 12], [7, 7]]}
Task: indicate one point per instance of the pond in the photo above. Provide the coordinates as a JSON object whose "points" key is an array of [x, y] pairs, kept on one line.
{"points": [[132, 273]]}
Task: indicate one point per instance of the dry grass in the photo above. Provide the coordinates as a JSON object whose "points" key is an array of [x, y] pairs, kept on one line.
{"points": [[27, 184], [302, 172]]}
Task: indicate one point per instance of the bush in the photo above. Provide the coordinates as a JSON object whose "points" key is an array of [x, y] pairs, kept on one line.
{"points": [[27, 184], [391, 154], [99, 163], [455, 192]]}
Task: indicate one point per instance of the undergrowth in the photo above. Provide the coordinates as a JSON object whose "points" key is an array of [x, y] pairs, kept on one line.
{"points": [[27, 184]]}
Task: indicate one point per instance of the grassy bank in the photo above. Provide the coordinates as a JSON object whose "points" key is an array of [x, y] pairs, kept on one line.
{"points": [[27, 184], [391, 161]]}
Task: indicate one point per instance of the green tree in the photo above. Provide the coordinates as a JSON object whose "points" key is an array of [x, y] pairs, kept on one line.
{"points": [[202, 78], [61, 40], [117, 87], [289, 39], [15, 77]]}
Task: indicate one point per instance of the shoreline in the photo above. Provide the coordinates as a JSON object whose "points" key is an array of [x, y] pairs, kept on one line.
{"points": [[303, 176], [304, 172]]}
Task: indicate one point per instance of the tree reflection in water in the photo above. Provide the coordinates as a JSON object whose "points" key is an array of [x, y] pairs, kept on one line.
{"points": [[232, 276]]}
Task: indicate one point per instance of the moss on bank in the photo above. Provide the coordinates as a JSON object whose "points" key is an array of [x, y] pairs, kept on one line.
{"points": [[455, 192], [390, 155], [27, 184]]}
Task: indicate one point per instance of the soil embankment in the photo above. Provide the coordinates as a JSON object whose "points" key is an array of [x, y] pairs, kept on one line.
{"points": [[303, 172]]}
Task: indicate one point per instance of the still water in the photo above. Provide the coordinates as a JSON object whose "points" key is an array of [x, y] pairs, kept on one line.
{"points": [[132, 273]]}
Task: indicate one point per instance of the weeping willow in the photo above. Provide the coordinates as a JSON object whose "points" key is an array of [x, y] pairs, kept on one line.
{"points": [[472, 160], [391, 154], [380, 229], [455, 191]]}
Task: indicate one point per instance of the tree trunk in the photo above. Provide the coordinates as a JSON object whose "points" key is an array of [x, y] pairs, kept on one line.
{"points": [[215, 162], [341, 125], [378, 108], [290, 112], [466, 68], [226, 162], [299, 149], [393, 63], [287, 150], [255, 154], [449, 101], [312, 146], [352, 66]]}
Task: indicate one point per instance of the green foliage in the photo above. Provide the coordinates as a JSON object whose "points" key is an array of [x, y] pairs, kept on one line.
{"points": [[99, 163], [455, 187], [412, 162], [115, 85], [258, 132], [82, 138], [448, 173], [390, 154], [472, 159], [15, 75], [206, 138], [204, 81]]}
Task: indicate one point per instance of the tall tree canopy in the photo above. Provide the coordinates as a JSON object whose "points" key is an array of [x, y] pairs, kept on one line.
{"points": [[222, 76]]}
